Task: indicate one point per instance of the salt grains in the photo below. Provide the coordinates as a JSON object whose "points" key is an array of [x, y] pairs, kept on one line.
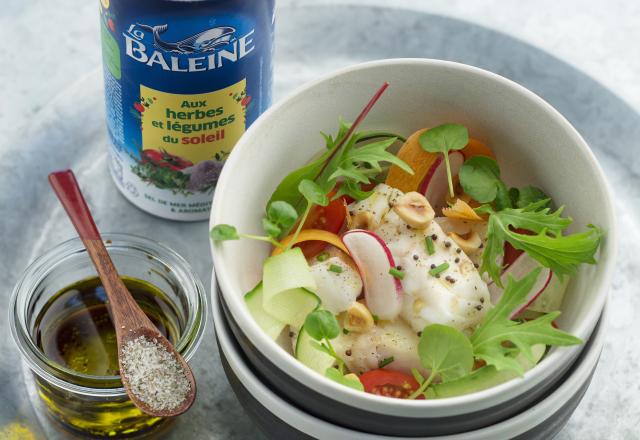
{"points": [[155, 377]]}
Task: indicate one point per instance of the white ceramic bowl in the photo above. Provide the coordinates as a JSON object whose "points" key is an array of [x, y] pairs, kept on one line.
{"points": [[534, 145], [280, 419]]}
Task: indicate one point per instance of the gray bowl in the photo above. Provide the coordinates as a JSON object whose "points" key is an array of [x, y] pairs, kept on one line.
{"points": [[279, 418]]}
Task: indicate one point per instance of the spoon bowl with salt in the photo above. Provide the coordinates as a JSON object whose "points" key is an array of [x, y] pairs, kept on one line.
{"points": [[155, 376]]}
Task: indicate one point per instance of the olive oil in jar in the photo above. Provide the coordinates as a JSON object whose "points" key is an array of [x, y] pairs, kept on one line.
{"points": [[75, 331]]}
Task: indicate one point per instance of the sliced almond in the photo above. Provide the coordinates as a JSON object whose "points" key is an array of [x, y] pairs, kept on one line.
{"points": [[358, 318], [414, 209], [468, 244], [462, 210]]}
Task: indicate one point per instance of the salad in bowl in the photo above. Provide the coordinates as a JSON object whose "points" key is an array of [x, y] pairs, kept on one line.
{"points": [[407, 267]]}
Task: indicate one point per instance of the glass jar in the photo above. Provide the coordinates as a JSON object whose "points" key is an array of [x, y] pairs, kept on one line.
{"points": [[98, 405]]}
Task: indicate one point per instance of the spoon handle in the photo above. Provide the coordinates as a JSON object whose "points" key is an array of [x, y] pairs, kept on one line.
{"points": [[66, 187], [125, 311]]}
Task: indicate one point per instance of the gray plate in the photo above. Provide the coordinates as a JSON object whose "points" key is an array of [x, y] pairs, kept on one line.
{"points": [[70, 133]]}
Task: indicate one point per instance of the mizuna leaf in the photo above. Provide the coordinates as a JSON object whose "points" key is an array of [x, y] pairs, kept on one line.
{"points": [[496, 339]]}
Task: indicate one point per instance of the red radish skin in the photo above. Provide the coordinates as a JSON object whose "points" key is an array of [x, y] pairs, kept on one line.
{"points": [[434, 186], [522, 265], [383, 292]]}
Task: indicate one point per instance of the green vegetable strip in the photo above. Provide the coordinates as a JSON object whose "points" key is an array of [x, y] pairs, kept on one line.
{"points": [[396, 273], [439, 269], [324, 256], [431, 249], [335, 268]]}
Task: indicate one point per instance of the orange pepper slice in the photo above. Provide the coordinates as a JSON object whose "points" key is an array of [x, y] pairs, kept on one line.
{"points": [[312, 235]]}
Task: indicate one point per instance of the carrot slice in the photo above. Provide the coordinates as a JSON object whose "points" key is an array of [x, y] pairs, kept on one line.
{"points": [[312, 235], [476, 148], [419, 160]]}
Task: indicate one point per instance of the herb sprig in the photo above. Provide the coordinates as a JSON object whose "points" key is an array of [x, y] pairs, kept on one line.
{"points": [[322, 326], [446, 352], [443, 139]]}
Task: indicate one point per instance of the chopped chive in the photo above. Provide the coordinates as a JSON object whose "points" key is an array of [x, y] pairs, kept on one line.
{"points": [[335, 268], [439, 269], [384, 362], [431, 249], [376, 318], [323, 256], [396, 273], [345, 331]]}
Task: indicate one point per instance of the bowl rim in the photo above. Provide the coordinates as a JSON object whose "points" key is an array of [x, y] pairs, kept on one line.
{"points": [[416, 408], [298, 419]]}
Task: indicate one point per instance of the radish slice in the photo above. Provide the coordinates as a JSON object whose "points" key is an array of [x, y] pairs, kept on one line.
{"points": [[382, 291], [435, 186], [518, 269]]}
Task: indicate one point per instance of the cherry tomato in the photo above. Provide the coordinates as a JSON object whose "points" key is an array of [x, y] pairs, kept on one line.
{"points": [[329, 218], [389, 383]]}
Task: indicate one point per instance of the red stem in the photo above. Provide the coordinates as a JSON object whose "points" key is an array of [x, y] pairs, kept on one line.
{"points": [[363, 114]]}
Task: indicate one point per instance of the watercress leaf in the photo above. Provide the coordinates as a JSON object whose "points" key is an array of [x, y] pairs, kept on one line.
{"points": [[503, 201], [282, 214], [417, 376], [480, 177], [323, 348], [530, 194], [514, 194], [349, 380], [444, 138], [445, 351], [270, 228], [322, 324], [498, 337], [313, 192], [224, 232]]}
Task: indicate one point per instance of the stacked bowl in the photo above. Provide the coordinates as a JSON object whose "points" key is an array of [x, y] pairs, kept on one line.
{"points": [[534, 144]]}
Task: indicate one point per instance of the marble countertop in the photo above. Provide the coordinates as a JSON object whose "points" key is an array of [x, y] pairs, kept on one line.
{"points": [[47, 46]]}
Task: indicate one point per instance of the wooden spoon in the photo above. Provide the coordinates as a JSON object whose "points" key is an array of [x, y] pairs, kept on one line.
{"points": [[128, 318]]}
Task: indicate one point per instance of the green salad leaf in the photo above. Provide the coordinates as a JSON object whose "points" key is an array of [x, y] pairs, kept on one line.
{"points": [[498, 337], [443, 139], [530, 194], [361, 164], [323, 326], [446, 352], [350, 380], [224, 232], [313, 193], [480, 178], [560, 253]]}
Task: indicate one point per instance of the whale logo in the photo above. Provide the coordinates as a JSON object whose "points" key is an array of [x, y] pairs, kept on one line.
{"points": [[205, 41]]}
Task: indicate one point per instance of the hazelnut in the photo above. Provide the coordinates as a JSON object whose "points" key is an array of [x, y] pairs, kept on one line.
{"points": [[358, 318], [414, 209]]}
